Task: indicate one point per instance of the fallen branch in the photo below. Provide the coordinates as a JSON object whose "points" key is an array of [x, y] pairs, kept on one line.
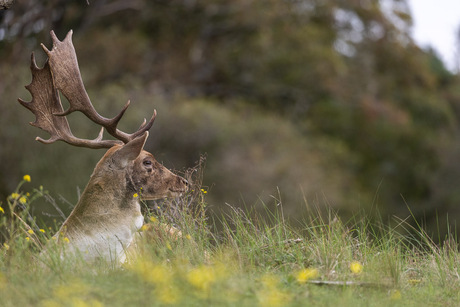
{"points": [[348, 283]]}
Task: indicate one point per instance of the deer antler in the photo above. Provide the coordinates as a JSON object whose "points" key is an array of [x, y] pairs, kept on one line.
{"points": [[61, 73]]}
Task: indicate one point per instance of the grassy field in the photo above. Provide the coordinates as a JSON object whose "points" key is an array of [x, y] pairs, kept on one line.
{"points": [[250, 261]]}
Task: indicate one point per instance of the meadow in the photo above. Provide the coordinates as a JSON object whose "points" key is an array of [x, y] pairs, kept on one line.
{"points": [[248, 260]]}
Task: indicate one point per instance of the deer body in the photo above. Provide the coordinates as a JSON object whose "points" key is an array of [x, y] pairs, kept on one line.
{"points": [[108, 214]]}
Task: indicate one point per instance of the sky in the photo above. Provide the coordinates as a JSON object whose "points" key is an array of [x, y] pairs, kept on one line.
{"points": [[436, 23]]}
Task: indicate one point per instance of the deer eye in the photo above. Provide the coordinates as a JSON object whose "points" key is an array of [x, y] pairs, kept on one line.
{"points": [[147, 163]]}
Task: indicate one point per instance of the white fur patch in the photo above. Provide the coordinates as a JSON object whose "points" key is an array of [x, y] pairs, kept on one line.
{"points": [[108, 242], [138, 220]]}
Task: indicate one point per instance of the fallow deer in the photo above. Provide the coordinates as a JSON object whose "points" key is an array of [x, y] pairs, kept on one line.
{"points": [[108, 214]]}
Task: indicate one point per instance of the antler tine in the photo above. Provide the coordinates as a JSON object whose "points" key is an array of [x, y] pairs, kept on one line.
{"points": [[145, 125], [112, 128], [45, 103], [67, 79], [96, 143]]}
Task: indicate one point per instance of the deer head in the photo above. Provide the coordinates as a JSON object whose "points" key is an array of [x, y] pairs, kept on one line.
{"points": [[108, 213]]}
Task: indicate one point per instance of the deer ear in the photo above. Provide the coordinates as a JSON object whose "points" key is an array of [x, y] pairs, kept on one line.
{"points": [[130, 151]]}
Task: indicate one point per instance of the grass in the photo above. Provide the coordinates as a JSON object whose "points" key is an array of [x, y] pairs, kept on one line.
{"points": [[250, 261]]}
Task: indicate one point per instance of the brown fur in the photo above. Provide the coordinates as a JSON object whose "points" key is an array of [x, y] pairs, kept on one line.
{"points": [[108, 214]]}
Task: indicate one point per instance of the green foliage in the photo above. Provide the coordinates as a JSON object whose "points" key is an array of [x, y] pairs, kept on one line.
{"points": [[250, 150], [321, 96], [16, 221], [251, 261], [298, 105]]}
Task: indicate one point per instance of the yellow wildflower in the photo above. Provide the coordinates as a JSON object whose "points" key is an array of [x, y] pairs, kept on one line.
{"points": [[201, 277], [145, 227], [306, 274], [396, 295], [135, 195], [270, 281], [6, 246], [1, 210], [66, 240], [42, 230], [26, 178], [30, 231], [271, 294], [188, 237], [27, 239], [167, 294], [150, 272], [273, 297], [356, 267], [72, 289], [14, 195], [23, 200], [153, 219], [204, 191], [158, 275]]}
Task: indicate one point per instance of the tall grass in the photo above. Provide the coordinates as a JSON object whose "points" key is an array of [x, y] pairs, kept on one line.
{"points": [[252, 260]]}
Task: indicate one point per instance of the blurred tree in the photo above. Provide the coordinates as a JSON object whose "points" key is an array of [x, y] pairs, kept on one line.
{"points": [[6, 4], [343, 72]]}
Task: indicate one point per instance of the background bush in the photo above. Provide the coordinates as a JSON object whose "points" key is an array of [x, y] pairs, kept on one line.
{"points": [[323, 100]]}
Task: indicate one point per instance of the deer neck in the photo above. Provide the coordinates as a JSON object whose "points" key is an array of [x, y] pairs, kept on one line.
{"points": [[107, 199], [105, 220]]}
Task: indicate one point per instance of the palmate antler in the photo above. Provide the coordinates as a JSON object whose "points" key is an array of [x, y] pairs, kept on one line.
{"points": [[61, 73]]}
